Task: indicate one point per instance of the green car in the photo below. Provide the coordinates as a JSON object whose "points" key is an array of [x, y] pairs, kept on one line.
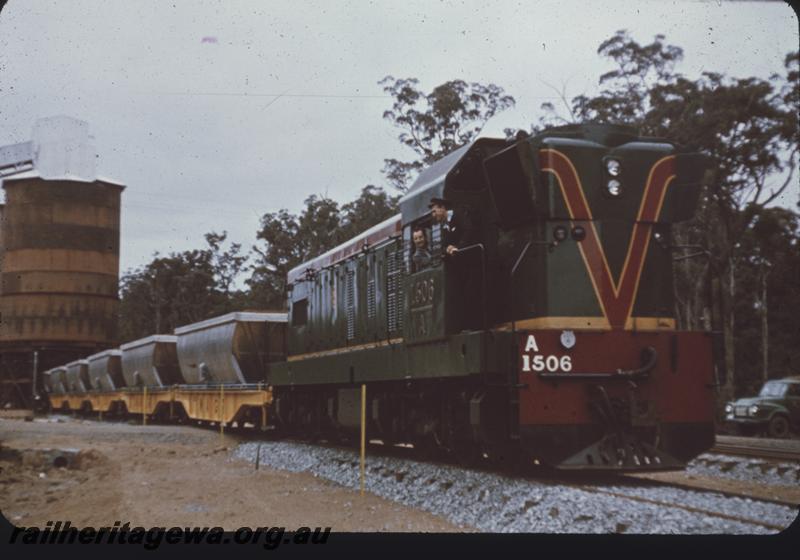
{"points": [[775, 411]]}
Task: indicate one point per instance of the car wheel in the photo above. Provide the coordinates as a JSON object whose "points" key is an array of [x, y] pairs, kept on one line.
{"points": [[778, 426]]}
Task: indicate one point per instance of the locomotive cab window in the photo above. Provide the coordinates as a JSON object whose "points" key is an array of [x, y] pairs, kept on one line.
{"points": [[421, 250], [300, 312]]}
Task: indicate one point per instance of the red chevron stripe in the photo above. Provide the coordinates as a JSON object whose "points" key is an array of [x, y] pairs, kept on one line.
{"points": [[616, 298]]}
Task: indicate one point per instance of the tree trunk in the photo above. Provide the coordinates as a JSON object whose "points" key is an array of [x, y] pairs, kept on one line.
{"points": [[157, 304], [726, 293], [764, 326]]}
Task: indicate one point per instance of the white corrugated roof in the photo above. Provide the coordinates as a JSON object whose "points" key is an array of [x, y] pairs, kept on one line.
{"points": [[34, 174]]}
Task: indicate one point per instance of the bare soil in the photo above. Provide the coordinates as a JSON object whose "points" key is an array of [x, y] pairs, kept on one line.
{"points": [[168, 476]]}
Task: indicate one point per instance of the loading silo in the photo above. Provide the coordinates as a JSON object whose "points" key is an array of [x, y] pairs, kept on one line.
{"points": [[60, 239]]}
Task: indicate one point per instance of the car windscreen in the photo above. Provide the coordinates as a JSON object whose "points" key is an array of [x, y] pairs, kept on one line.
{"points": [[773, 390]]}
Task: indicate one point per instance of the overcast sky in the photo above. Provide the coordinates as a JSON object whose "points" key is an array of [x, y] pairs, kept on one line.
{"points": [[181, 97]]}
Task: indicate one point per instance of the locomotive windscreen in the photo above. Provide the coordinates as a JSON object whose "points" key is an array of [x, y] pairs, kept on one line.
{"points": [[510, 176]]}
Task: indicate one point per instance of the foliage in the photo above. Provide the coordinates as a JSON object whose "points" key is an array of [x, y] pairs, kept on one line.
{"points": [[180, 288], [372, 207], [288, 240], [772, 255], [170, 291], [435, 124], [228, 264]]}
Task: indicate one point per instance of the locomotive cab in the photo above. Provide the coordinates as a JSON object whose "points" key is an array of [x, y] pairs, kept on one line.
{"points": [[450, 293]]}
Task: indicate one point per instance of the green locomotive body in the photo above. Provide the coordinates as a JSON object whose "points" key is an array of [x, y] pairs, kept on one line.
{"points": [[549, 336]]}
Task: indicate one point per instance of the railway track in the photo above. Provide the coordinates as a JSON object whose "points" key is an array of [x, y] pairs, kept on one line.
{"points": [[400, 474], [775, 450], [625, 484], [16, 414]]}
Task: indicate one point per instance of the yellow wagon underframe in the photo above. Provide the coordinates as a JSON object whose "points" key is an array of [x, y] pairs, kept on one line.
{"points": [[212, 404]]}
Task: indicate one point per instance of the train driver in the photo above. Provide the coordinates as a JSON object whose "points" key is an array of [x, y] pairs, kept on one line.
{"points": [[422, 255], [439, 208], [459, 231]]}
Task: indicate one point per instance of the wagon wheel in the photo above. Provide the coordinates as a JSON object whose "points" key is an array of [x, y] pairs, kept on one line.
{"points": [[778, 426]]}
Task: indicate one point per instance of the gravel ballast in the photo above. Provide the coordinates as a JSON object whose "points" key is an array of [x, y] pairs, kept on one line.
{"points": [[497, 503], [747, 469]]}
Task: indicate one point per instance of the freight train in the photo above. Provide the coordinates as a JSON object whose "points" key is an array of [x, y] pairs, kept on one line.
{"points": [[529, 317]]}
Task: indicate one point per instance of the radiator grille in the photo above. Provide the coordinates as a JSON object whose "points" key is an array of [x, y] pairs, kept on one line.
{"points": [[350, 302], [394, 291], [372, 305]]}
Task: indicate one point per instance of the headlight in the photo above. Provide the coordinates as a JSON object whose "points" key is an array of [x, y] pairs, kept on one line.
{"points": [[613, 167], [613, 188], [753, 410], [728, 408]]}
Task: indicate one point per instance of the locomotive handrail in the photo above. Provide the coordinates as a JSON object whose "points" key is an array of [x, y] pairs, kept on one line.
{"points": [[483, 277], [511, 285], [513, 273], [650, 358]]}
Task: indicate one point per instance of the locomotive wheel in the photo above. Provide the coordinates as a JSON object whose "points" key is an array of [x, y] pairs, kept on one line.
{"points": [[778, 426], [429, 446], [466, 453]]}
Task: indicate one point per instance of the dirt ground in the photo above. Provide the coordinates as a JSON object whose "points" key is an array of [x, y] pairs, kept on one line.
{"points": [[170, 476]]}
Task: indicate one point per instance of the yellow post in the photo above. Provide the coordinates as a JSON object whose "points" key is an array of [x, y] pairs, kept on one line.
{"points": [[144, 405], [363, 431], [171, 403], [263, 411], [221, 411]]}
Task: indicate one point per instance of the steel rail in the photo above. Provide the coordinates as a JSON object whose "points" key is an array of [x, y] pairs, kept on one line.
{"points": [[772, 449], [756, 451]]}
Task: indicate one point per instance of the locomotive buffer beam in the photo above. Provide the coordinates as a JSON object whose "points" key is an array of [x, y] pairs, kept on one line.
{"points": [[619, 448], [649, 360]]}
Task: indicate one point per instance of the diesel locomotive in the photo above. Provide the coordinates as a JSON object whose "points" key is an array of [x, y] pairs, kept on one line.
{"points": [[547, 336], [550, 338]]}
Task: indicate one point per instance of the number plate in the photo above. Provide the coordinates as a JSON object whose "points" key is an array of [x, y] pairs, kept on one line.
{"points": [[546, 362]]}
